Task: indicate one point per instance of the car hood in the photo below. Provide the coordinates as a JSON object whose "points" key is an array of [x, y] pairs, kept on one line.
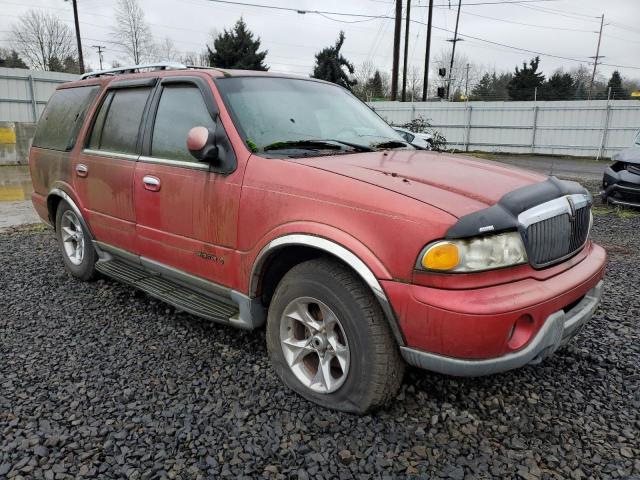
{"points": [[628, 155], [456, 184]]}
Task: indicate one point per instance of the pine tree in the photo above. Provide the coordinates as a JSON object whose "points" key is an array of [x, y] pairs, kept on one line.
{"points": [[615, 84], [492, 86], [330, 63], [524, 82], [560, 86], [71, 65], [375, 85], [55, 65], [237, 49], [11, 59]]}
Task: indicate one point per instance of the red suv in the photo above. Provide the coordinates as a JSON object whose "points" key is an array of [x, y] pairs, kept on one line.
{"points": [[250, 198]]}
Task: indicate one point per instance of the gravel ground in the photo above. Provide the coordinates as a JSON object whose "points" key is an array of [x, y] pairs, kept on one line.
{"points": [[97, 380]]}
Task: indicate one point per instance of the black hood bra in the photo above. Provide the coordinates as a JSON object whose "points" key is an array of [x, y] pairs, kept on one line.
{"points": [[503, 215]]}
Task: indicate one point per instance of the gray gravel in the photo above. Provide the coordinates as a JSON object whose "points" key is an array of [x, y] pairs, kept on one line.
{"points": [[97, 380]]}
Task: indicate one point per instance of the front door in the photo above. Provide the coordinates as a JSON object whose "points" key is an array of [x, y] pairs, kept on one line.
{"points": [[186, 211], [104, 170]]}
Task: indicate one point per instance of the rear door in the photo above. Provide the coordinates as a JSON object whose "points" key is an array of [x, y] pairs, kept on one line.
{"points": [[104, 171], [186, 210]]}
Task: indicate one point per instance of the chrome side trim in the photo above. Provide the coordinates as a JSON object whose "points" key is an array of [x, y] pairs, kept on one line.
{"points": [[336, 250], [105, 153], [558, 329], [175, 163], [553, 208]]}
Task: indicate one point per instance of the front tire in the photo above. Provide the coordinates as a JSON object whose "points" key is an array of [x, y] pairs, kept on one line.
{"points": [[74, 241], [329, 341]]}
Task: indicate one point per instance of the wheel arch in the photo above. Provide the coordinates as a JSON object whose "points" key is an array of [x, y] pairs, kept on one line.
{"points": [[282, 253], [55, 196]]}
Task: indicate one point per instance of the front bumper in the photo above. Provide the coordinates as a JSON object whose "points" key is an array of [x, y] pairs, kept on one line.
{"points": [[556, 331], [461, 329], [621, 188]]}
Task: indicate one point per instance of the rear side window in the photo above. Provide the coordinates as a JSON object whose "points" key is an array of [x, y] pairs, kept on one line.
{"points": [[63, 116], [117, 123], [180, 109]]}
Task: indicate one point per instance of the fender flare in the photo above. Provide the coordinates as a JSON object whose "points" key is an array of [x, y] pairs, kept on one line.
{"points": [[56, 192], [336, 250]]}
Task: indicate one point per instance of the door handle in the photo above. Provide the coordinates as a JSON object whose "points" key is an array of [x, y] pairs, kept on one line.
{"points": [[151, 183], [82, 170]]}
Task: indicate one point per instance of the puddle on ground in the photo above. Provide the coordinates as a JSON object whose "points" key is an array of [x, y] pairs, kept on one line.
{"points": [[15, 183]]}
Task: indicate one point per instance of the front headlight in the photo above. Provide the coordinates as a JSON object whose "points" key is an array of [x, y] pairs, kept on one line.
{"points": [[473, 254]]}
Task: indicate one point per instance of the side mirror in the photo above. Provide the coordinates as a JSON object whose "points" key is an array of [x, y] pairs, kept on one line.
{"points": [[201, 144]]}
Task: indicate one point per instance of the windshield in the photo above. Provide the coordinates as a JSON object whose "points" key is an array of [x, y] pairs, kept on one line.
{"points": [[280, 113]]}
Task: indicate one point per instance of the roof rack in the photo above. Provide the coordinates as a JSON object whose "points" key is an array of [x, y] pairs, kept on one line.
{"points": [[134, 69]]}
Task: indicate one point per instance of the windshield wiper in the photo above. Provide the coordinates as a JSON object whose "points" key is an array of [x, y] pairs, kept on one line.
{"points": [[356, 146], [391, 144], [310, 144]]}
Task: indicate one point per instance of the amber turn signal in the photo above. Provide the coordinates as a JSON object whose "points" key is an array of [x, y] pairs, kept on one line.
{"points": [[441, 256]]}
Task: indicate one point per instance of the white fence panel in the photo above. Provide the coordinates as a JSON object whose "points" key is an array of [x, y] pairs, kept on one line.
{"points": [[24, 93], [581, 128]]}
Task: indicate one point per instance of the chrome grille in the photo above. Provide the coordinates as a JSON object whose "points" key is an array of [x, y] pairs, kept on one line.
{"points": [[633, 168], [557, 229]]}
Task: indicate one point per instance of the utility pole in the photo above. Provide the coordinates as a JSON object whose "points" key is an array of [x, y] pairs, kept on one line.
{"points": [[453, 51], [101, 49], [75, 18], [425, 82], [595, 59], [466, 85], [406, 52], [396, 51]]}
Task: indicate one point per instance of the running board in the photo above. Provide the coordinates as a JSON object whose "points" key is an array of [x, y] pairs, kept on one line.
{"points": [[171, 292]]}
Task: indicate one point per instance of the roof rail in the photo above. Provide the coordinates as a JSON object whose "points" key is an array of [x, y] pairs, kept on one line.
{"points": [[134, 69]]}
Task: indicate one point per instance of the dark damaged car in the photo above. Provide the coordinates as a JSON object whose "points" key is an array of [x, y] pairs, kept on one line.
{"points": [[621, 181]]}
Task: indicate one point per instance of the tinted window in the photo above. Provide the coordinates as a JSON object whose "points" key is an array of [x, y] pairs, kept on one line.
{"points": [[94, 141], [180, 109], [118, 121], [62, 118]]}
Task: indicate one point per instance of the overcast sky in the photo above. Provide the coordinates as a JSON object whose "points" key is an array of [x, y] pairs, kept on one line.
{"points": [[564, 28]]}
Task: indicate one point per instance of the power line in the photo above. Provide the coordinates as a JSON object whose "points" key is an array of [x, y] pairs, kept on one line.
{"points": [[528, 24], [303, 11], [557, 11]]}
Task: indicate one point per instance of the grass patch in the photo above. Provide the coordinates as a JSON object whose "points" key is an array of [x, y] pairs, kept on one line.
{"points": [[620, 212], [531, 156], [26, 228]]}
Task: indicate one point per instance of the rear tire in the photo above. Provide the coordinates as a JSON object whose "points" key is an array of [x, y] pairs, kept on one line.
{"points": [[329, 341], [75, 244]]}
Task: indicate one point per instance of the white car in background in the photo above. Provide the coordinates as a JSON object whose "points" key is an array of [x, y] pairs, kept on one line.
{"points": [[419, 140]]}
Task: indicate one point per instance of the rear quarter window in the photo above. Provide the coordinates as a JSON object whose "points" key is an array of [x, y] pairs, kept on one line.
{"points": [[63, 116], [117, 124]]}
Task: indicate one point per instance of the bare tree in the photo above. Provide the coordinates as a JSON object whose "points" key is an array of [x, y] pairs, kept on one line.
{"points": [[166, 51], [414, 83], [195, 58], [132, 32], [386, 83], [458, 75], [43, 40]]}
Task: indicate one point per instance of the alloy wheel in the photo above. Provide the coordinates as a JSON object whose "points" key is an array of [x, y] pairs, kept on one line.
{"points": [[315, 345], [72, 237]]}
